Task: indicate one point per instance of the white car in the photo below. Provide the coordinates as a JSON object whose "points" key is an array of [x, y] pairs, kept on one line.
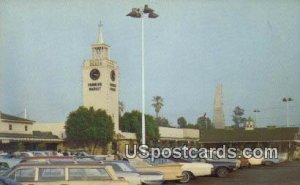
{"points": [[255, 161], [271, 161], [189, 169], [124, 170]]}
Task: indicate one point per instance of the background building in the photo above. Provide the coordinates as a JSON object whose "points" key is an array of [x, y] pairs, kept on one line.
{"points": [[18, 134]]}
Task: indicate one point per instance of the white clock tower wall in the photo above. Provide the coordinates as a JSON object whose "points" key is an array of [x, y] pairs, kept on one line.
{"points": [[101, 81]]}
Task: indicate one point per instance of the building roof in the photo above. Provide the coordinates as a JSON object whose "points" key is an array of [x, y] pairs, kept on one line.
{"points": [[12, 118], [241, 135]]}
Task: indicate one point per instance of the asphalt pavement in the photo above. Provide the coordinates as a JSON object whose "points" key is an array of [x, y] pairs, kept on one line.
{"points": [[287, 173]]}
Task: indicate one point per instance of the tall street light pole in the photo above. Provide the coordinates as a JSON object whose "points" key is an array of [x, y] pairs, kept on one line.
{"points": [[287, 100], [255, 113], [141, 13]]}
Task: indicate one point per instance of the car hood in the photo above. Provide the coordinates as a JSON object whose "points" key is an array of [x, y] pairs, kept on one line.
{"points": [[197, 164]]}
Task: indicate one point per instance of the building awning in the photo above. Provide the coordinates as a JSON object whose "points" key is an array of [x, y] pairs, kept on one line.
{"points": [[35, 137], [5, 140]]}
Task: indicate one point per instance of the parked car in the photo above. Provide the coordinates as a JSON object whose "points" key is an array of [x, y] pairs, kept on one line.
{"points": [[221, 168], [21, 155], [7, 181], [64, 173], [189, 169], [6, 164], [46, 159], [244, 163], [272, 161], [171, 172], [125, 170], [237, 162], [3, 154]]}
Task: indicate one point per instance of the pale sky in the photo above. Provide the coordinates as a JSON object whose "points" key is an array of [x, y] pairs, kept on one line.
{"points": [[251, 47]]}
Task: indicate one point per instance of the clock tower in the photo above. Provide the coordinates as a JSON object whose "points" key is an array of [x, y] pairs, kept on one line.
{"points": [[101, 81]]}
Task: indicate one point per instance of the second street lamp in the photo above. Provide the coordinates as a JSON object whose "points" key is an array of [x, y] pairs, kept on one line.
{"points": [[141, 13], [287, 100], [255, 113]]}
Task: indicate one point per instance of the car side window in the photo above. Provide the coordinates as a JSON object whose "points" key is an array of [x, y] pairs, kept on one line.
{"points": [[77, 174], [4, 165], [116, 167], [23, 175], [51, 174]]}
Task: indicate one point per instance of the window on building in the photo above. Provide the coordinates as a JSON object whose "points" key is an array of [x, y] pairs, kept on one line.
{"points": [[26, 128], [10, 127]]}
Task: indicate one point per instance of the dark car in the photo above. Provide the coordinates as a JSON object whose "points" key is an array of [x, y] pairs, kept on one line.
{"points": [[221, 168], [7, 181]]}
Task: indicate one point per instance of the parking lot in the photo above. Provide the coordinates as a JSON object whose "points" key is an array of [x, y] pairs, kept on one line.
{"points": [[283, 174]]}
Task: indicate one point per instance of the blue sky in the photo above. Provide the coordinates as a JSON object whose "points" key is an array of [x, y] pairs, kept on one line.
{"points": [[251, 47]]}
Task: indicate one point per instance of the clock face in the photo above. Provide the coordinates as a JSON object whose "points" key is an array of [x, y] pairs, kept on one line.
{"points": [[95, 74], [112, 75]]}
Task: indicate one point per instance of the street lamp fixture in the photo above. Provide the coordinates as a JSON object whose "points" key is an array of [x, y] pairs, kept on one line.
{"points": [[256, 111], [287, 100], [141, 13]]}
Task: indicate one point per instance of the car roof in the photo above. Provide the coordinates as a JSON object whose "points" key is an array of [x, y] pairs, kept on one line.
{"points": [[47, 157], [61, 163]]}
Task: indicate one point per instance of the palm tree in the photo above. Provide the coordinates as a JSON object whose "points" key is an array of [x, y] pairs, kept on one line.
{"points": [[157, 104]]}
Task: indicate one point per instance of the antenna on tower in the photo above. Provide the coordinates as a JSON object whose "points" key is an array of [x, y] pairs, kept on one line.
{"points": [[100, 35]]}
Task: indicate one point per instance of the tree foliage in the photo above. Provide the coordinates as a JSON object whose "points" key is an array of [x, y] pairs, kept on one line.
{"points": [[237, 117], [162, 121], [132, 122], [181, 121], [89, 128], [121, 108], [204, 122], [190, 125], [158, 103]]}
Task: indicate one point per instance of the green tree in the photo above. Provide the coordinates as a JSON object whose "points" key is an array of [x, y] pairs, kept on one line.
{"points": [[20, 147], [41, 146], [237, 117], [161, 121], [181, 121], [190, 125], [89, 128], [204, 122], [132, 122], [157, 104]]}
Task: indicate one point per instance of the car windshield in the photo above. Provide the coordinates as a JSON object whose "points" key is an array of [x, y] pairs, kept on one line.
{"points": [[137, 163], [122, 167], [5, 174]]}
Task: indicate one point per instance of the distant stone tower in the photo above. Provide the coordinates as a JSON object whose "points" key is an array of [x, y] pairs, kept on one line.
{"points": [[219, 118]]}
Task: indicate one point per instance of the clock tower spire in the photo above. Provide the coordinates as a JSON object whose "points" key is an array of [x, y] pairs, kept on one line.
{"points": [[100, 83], [100, 34], [100, 49]]}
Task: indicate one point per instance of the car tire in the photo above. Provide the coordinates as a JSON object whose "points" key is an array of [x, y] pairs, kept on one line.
{"points": [[222, 172], [186, 177]]}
